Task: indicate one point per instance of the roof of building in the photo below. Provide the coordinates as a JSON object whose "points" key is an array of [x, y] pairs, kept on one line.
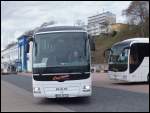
{"points": [[10, 47], [23, 36]]}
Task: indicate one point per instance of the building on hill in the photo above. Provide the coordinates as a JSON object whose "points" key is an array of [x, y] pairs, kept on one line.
{"points": [[98, 24]]}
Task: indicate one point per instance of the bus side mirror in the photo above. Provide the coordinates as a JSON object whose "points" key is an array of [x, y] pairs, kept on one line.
{"points": [[92, 43], [126, 48], [31, 39], [107, 52], [28, 45]]}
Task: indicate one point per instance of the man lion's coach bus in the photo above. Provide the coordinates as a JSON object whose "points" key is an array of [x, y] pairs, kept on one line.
{"points": [[61, 62], [129, 60]]}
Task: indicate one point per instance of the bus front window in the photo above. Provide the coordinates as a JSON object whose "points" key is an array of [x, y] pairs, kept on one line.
{"points": [[123, 58], [118, 60], [119, 57], [60, 49]]}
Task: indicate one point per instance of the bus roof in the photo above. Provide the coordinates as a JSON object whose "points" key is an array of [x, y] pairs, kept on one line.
{"points": [[60, 28], [134, 40], [138, 40]]}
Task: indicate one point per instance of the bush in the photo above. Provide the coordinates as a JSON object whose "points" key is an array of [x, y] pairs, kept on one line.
{"points": [[114, 33]]}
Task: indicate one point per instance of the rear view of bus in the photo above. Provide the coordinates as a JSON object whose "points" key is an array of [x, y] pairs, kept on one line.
{"points": [[61, 62], [129, 60]]}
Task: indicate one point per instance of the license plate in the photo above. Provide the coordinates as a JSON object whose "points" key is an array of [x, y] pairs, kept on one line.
{"points": [[61, 89], [61, 95]]}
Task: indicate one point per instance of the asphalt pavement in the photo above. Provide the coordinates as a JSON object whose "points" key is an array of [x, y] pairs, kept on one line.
{"points": [[18, 89]]}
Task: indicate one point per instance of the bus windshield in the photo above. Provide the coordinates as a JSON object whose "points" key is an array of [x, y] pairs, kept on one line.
{"points": [[118, 55], [60, 49], [118, 60]]}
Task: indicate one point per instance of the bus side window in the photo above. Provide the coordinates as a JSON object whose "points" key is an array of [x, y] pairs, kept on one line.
{"points": [[138, 52]]}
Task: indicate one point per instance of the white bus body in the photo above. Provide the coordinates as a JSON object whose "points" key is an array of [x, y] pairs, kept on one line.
{"points": [[65, 80], [132, 72]]}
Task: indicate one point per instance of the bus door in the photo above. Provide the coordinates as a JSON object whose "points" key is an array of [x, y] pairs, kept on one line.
{"points": [[138, 61]]}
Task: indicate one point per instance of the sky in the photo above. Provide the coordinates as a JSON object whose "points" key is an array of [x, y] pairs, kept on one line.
{"points": [[18, 17]]}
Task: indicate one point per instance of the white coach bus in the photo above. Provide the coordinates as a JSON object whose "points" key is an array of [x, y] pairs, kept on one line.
{"points": [[129, 60], [61, 62]]}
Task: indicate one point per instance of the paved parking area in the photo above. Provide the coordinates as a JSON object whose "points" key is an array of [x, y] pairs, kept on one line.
{"points": [[17, 96], [102, 80], [15, 99]]}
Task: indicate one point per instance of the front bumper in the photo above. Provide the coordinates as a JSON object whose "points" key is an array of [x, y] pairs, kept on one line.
{"points": [[60, 91]]}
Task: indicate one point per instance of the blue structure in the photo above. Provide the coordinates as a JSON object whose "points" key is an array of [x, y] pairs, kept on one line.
{"points": [[22, 54]]}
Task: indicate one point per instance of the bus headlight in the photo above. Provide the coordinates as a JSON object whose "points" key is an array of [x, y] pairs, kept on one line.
{"points": [[36, 90], [86, 88]]}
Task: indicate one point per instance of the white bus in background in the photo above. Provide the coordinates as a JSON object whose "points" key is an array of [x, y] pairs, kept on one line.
{"points": [[129, 60], [61, 62]]}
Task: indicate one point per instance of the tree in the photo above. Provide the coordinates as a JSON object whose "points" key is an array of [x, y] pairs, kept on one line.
{"points": [[146, 27], [137, 13], [11, 44], [29, 33], [79, 23], [105, 26], [48, 23]]}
